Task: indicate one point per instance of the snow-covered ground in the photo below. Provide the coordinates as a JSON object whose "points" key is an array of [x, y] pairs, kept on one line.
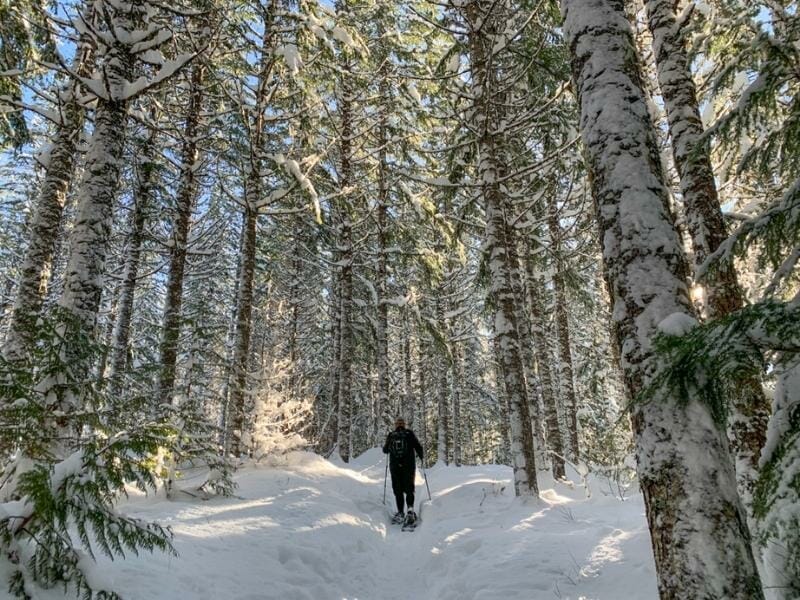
{"points": [[310, 529]]}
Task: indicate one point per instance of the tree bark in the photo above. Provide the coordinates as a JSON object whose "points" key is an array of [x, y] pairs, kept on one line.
{"points": [[345, 241], [382, 325], [458, 377], [141, 204], [423, 395], [486, 21], [534, 384], [255, 118], [565, 376], [750, 407], [698, 526], [244, 318], [408, 389], [506, 327], [443, 413], [184, 205], [778, 491], [504, 455], [90, 233], [48, 208], [336, 339], [549, 398]]}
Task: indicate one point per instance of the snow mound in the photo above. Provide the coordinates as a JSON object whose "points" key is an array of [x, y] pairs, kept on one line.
{"points": [[677, 323], [304, 528], [374, 457]]}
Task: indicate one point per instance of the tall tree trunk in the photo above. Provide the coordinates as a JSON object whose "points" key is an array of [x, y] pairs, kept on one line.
{"points": [[244, 317], [750, 407], [57, 268], [255, 117], [296, 302], [336, 339], [408, 389], [345, 241], [443, 413], [141, 203], [549, 398], [698, 526], [499, 237], [49, 207], [346, 345], [562, 328], [382, 325], [423, 395], [90, 233], [226, 416], [534, 384], [458, 377], [89, 237], [184, 205], [486, 22]]}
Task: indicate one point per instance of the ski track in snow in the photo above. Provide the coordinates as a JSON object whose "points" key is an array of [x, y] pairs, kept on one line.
{"points": [[311, 529]]}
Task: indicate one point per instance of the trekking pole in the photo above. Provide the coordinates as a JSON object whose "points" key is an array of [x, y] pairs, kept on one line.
{"points": [[385, 475], [425, 474]]}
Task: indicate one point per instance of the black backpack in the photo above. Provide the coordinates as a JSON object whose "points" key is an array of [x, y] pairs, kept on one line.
{"points": [[398, 445]]}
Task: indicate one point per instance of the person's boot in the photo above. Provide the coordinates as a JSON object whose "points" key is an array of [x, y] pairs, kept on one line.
{"points": [[398, 517], [411, 518]]}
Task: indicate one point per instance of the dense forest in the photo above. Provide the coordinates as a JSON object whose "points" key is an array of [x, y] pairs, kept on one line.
{"points": [[547, 234]]}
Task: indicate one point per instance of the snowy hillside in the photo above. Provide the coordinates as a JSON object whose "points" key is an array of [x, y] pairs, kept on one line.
{"points": [[314, 530]]}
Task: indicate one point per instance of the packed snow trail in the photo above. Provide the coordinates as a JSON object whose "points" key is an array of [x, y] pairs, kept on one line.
{"points": [[310, 529]]}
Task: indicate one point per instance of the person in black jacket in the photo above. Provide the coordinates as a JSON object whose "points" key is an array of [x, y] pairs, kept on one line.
{"points": [[401, 444]]}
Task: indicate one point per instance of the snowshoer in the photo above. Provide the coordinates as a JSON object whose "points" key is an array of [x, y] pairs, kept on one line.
{"points": [[400, 446]]}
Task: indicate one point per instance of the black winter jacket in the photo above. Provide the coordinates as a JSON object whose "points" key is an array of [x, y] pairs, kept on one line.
{"points": [[407, 443]]}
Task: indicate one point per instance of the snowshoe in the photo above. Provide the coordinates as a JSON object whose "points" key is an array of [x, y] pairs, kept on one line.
{"points": [[411, 521], [398, 518]]}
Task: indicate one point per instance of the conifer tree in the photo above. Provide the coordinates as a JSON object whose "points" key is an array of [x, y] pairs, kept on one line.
{"points": [[749, 414], [486, 22], [72, 459], [59, 171], [687, 499], [146, 182]]}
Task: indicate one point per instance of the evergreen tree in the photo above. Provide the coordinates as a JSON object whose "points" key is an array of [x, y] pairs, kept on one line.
{"points": [[687, 499]]}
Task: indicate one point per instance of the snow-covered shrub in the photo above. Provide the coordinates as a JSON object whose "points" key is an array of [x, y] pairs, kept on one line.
{"points": [[194, 461], [617, 479], [278, 418], [606, 441], [74, 451], [56, 515]]}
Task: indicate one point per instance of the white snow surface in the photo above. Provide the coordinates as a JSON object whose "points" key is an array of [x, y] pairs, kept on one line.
{"points": [[310, 529], [677, 324]]}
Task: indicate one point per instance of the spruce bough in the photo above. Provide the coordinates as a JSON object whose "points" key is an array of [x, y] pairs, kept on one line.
{"points": [[68, 469]]}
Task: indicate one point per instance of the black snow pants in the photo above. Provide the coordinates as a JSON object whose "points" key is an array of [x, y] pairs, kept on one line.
{"points": [[403, 483]]}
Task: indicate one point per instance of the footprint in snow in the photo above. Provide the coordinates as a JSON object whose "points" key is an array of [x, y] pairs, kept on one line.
{"points": [[470, 546]]}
